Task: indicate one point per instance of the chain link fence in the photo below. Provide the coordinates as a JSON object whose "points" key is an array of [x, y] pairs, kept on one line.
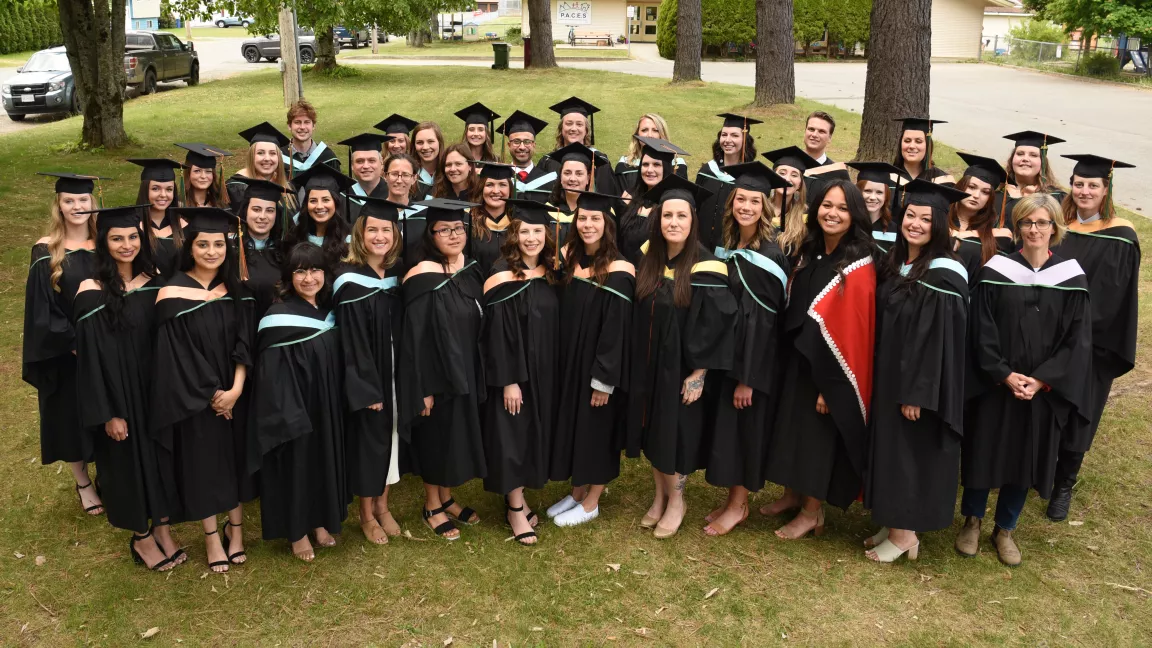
{"points": [[1133, 56]]}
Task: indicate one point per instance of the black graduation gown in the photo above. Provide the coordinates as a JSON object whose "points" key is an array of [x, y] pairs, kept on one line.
{"points": [[263, 274], [628, 173], [562, 219], [711, 209], [355, 193], [369, 313], [412, 223], [321, 154], [603, 177], [1005, 209], [296, 430], [1037, 324], [114, 362], [595, 335], [884, 238], [424, 182], [48, 363], [757, 279], [198, 345], [668, 343], [633, 231], [486, 249], [236, 189], [828, 340], [440, 357], [929, 175], [519, 344], [913, 466], [1111, 259], [539, 183], [165, 253], [971, 252]]}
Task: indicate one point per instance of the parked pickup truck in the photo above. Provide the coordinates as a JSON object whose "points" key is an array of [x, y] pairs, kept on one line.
{"points": [[154, 56], [42, 85]]}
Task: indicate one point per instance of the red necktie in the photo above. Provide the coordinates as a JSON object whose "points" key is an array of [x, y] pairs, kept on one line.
{"points": [[523, 175]]}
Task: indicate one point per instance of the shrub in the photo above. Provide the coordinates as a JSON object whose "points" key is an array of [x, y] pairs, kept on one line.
{"points": [[1039, 30], [1101, 64], [666, 29], [514, 35]]}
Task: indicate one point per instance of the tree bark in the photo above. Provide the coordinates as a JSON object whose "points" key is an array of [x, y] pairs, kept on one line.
{"points": [[94, 39], [289, 55], [775, 53], [689, 41], [540, 31], [325, 50], [899, 73]]}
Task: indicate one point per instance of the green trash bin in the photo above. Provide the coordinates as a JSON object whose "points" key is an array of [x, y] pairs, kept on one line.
{"points": [[501, 51]]}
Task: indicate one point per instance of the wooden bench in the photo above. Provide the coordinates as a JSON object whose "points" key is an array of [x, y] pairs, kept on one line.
{"points": [[600, 39]]}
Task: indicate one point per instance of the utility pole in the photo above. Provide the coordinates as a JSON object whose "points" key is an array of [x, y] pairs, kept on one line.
{"points": [[375, 40], [290, 57]]}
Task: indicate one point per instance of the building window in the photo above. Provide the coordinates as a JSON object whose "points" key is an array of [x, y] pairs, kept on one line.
{"points": [[649, 30], [650, 13]]}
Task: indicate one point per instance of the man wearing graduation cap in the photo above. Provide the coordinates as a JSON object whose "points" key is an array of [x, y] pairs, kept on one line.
{"points": [[399, 128], [520, 131], [303, 152], [367, 164]]}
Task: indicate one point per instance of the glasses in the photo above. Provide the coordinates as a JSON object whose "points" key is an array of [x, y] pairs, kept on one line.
{"points": [[1041, 225], [396, 175], [300, 273], [449, 232], [521, 142]]}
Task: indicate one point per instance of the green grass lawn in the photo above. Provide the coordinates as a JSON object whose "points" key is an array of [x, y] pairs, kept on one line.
{"points": [[398, 48], [605, 583]]}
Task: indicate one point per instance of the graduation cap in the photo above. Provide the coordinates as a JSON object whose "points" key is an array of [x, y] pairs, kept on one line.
{"points": [[478, 113], [580, 107], [792, 156], [593, 201], [202, 155], [157, 169], [261, 189], [112, 217], [396, 124], [984, 168], [530, 212], [674, 187], [521, 122], [875, 171], [381, 208], [72, 183], [931, 194], [574, 152], [496, 170], [659, 149], [365, 142], [322, 176], [1094, 166], [756, 176], [918, 124], [1033, 138], [265, 132], [445, 209], [213, 220], [742, 122]]}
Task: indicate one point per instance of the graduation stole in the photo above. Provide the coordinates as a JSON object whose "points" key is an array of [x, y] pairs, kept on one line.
{"points": [[294, 166], [293, 329], [371, 285], [1003, 271], [534, 185], [423, 177], [847, 322], [758, 260], [717, 174], [939, 263]]}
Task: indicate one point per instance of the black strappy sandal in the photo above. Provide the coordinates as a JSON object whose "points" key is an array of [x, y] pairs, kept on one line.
{"points": [[177, 556], [89, 509], [443, 529], [139, 560], [520, 537], [465, 516], [239, 554], [217, 563]]}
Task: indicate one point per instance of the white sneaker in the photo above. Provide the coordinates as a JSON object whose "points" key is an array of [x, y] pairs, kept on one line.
{"points": [[576, 515], [561, 506]]}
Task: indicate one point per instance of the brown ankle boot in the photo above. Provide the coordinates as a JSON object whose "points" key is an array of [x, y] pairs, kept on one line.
{"points": [[1006, 547], [968, 540]]}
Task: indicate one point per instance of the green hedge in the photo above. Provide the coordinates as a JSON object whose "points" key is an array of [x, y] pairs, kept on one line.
{"points": [[29, 26]]}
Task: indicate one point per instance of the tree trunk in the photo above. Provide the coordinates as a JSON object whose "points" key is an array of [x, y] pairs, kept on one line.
{"points": [[540, 31], [689, 40], [775, 53], [375, 40], [325, 50], [290, 55], [899, 73], [94, 39]]}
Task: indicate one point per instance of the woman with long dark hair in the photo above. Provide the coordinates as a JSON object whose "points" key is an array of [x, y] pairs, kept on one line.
{"points": [[369, 313], [60, 262], [521, 359], [1108, 250], [1028, 392], [574, 175], [322, 220], [478, 127], [757, 276], [819, 445], [263, 248], [158, 189], [975, 227], [115, 313], [875, 182], [441, 384], [915, 149], [682, 343], [203, 351], [734, 144], [656, 161], [296, 431], [918, 398], [203, 179], [595, 332], [491, 218]]}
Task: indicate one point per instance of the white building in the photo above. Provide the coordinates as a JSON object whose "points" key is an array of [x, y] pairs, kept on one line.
{"points": [[957, 26], [998, 21]]}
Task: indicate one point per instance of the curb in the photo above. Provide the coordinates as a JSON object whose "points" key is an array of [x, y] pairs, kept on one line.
{"points": [[1118, 84], [559, 59]]}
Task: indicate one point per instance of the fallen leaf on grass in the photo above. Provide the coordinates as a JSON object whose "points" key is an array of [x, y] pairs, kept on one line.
{"points": [[660, 609], [537, 629], [214, 590], [1075, 522], [639, 573], [643, 632], [1093, 548], [18, 554], [40, 560], [150, 632], [448, 641], [378, 575], [711, 593], [614, 567], [692, 558]]}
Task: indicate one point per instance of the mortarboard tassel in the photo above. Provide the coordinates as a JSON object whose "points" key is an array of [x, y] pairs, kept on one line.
{"points": [[1043, 163], [99, 192], [1109, 206], [743, 139], [1003, 203], [243, 256]]}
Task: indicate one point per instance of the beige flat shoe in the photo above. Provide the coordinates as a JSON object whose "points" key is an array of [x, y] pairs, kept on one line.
{"points": [[648, 522]]}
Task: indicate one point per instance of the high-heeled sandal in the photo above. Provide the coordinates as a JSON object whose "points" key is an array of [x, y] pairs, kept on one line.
{"points": [[217, 563], [161, 565], [444, 529], [887, 551], [239, 554], [466, 513], [519, 537], [90, 510], [817, 530], [874, 541], [177, 556], [717, 530]]}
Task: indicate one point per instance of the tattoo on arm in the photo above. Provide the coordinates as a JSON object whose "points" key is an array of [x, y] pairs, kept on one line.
{"points": [[681, 481]]}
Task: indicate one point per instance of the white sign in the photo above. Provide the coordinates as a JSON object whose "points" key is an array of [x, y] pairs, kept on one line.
{"points": [[631, 12], [574, 12]]}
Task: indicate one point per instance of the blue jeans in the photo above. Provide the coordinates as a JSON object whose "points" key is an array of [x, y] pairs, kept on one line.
{"points": [[1008, 505]]}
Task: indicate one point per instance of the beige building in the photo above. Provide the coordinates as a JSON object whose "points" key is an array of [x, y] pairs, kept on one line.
{"points": [[957, 26]]}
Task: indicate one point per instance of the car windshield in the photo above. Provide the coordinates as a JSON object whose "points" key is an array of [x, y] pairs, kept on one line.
{"points": [[47, 62]]}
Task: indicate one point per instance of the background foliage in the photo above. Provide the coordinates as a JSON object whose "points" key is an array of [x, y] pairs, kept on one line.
{"points": [[31, 25]]}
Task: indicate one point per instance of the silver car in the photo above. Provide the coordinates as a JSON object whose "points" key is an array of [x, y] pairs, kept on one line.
{"points": [[43, 85]]}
